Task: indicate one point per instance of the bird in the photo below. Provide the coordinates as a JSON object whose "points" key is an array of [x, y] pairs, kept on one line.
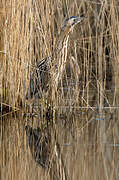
{"points": [[39, 145], [50, 70]]}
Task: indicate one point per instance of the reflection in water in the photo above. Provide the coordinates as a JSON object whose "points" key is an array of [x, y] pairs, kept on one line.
{"points": [[75, 138], [46, 151], [39, 145]]}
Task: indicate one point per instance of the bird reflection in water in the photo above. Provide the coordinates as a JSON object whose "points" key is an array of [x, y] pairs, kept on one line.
{"points": [[39, 145]]}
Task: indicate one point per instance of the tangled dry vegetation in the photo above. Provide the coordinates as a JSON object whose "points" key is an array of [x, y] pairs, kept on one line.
{"points": [[90, 81], [28, 35]]}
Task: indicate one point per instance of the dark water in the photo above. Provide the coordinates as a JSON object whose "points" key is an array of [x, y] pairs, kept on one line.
{"points": [[83, 144]]}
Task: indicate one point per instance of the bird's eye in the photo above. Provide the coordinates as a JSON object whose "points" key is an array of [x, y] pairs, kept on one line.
{"points": [[74, 21]]}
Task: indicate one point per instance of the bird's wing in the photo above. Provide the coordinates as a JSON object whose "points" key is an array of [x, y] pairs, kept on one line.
{"points": [[45, 62]]}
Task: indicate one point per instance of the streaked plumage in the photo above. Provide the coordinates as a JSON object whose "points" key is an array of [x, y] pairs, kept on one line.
{"points": [[53, 67]]}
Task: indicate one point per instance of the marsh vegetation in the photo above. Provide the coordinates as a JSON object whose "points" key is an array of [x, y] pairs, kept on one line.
{"points": [[83, 111]]}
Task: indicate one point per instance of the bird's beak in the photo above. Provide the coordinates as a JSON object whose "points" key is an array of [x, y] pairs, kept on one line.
{"points": [[79, 19]]}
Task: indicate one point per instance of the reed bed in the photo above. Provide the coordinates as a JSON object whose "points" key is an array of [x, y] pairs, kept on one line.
{"points": [[29, 33], [90, 81]]}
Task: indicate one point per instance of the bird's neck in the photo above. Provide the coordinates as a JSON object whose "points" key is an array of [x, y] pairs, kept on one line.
{"points": [[60, 56], [60, 40]]}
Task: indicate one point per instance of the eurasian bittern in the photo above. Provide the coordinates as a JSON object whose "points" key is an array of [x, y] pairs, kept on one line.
{"points": [[51, 68]]}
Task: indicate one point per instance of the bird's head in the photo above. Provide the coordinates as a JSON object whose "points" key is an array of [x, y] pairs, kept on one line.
{"points": [[72, 21]]}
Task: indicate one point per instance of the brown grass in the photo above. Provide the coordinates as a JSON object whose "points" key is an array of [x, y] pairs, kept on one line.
{"points": [[28, 35], [91, 78]]}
